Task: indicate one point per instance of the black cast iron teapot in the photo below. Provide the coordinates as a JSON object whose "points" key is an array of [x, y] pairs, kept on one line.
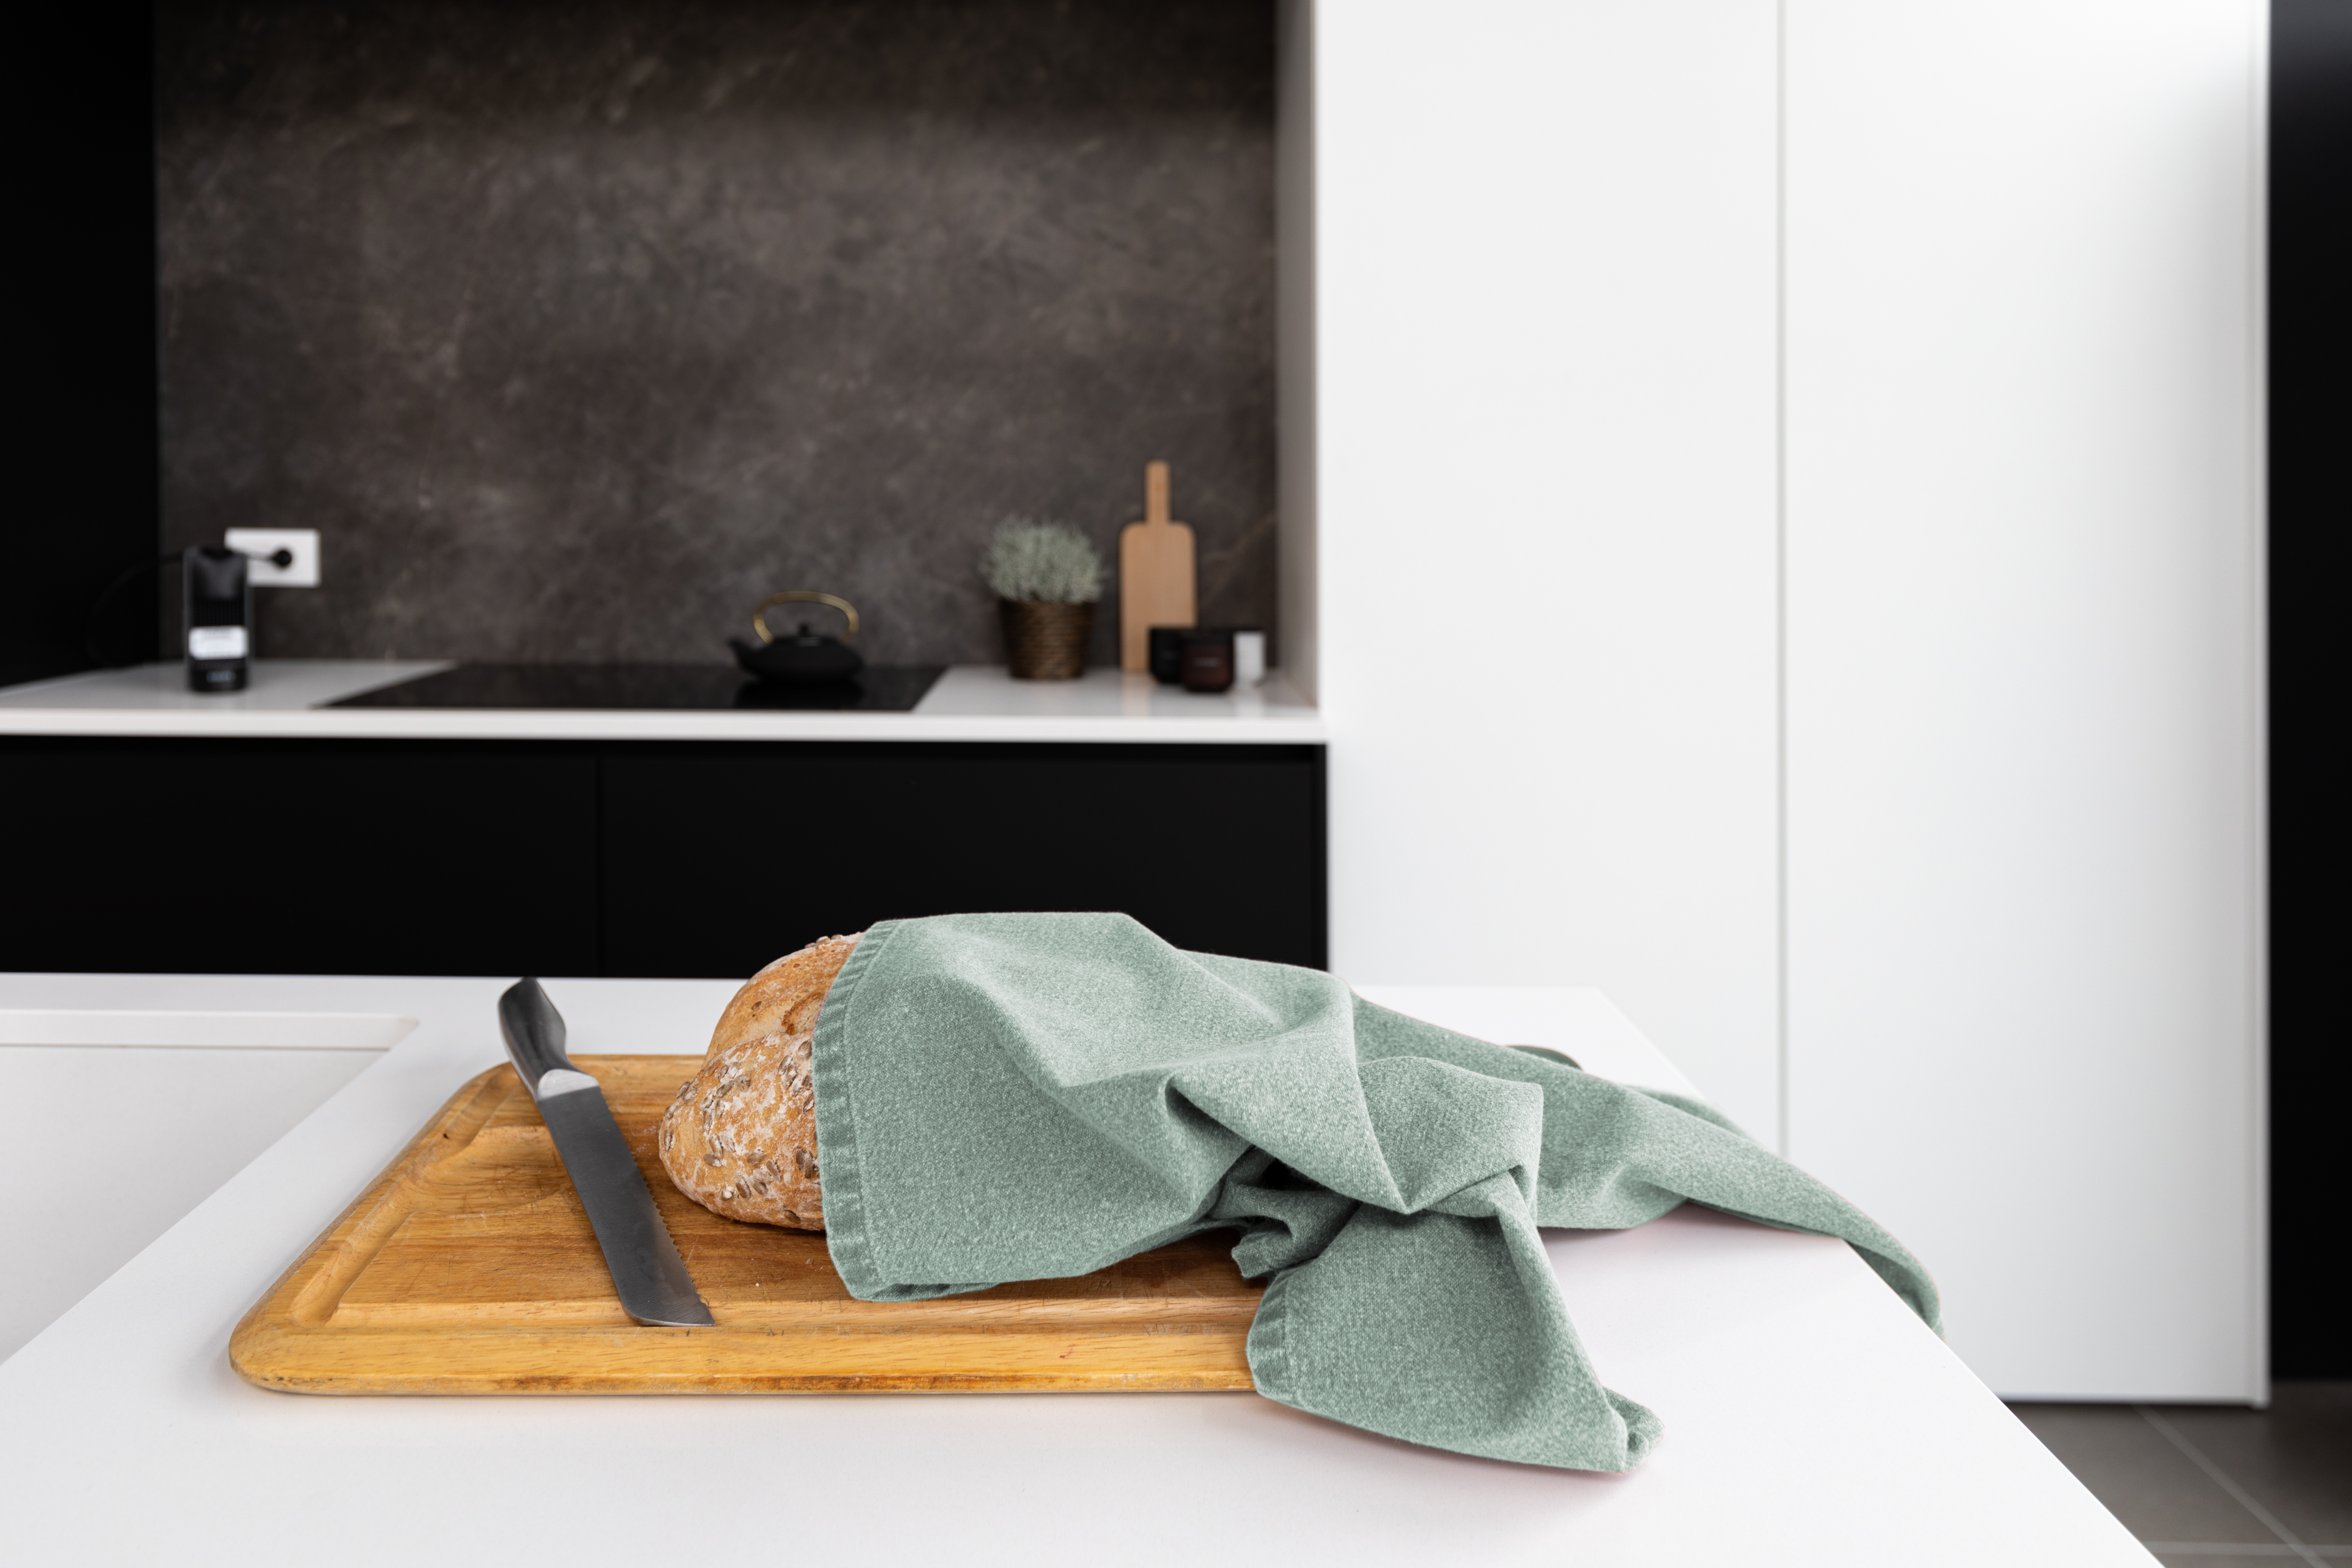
{"points": [[801, 657]]}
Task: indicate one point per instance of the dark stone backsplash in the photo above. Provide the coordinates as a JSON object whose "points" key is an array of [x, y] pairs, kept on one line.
{"points": [[577, 329]]}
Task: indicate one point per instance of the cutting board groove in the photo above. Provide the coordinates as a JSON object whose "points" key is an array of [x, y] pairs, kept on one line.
{"points": [[468, 1267]]}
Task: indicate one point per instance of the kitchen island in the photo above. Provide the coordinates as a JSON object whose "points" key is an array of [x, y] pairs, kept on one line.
{"points": [[1811, 1418]]}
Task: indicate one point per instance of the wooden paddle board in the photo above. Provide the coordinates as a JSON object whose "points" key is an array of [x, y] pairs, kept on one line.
{"points": [[468, 1267], [1155, 573]]}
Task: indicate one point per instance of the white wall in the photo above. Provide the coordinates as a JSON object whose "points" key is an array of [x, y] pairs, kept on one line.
{"points": [[2023, 529], [1544, 371]]}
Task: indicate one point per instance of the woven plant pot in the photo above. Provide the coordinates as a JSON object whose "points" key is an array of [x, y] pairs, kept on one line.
{"points": [[1044, 641]]}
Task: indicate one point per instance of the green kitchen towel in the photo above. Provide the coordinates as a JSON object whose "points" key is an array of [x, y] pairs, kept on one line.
{"points": [[1035, 1096]]}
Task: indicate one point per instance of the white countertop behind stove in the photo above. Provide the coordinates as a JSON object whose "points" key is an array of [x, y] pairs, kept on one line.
{"points": [[288, 697]]}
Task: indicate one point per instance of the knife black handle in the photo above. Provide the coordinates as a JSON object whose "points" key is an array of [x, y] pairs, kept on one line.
{"points": [[534, 1032]]}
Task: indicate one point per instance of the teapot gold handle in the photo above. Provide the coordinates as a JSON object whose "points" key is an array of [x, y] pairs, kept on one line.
{"points": [[802, 596]]}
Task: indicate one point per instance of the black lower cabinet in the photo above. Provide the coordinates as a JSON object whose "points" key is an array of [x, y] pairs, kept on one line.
{"points": [[298, 857], [717, 858], [637, 860]]}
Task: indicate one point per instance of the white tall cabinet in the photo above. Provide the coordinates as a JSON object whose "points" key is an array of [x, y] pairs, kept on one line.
{"points": [[2024, 585], [1771, 518], [1544, 382]]}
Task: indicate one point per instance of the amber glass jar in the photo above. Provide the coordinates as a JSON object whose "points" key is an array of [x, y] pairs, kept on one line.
{"points": [[1208, 659]]}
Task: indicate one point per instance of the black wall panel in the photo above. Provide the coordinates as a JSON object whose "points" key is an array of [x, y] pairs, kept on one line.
{"points": [[83, 496], [2310, 544]]}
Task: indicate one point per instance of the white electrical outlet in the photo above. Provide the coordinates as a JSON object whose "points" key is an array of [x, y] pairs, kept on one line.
{"points": [[259, 543]]}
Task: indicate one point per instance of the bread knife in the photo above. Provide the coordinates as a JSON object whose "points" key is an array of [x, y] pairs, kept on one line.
{"points": [[655, 1288]]}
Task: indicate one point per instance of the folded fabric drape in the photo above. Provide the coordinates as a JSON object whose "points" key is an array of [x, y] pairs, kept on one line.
{"points": [[1006, 1097]]}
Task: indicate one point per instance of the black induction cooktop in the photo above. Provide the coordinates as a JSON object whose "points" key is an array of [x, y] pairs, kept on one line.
{"points": [[889, 689]]}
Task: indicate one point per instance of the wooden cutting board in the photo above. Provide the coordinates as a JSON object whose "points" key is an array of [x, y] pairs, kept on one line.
{"points": [[468, 1267], [1155, 573]]}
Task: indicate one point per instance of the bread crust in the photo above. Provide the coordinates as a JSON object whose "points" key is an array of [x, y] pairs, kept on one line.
{"points": [[741, 1137]]}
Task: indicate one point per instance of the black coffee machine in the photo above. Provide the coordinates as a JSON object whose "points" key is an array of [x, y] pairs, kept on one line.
{"points": [[217, 595]]}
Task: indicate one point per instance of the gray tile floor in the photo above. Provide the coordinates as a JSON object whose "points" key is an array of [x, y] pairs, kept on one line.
{"points": [[2210, 1486]]}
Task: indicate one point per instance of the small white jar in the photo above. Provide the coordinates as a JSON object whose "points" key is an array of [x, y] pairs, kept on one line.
{"points": [[1249, 657]]}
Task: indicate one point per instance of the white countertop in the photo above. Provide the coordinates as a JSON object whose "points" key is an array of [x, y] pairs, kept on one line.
{"points": [[968, 702], [276, 686], [1810, 1417]]}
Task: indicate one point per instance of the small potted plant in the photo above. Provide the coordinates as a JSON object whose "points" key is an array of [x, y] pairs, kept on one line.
{"points": [[1046, 578]]}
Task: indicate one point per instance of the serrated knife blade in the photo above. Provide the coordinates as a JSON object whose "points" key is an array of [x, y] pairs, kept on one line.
{"points": [[655, 1288]]}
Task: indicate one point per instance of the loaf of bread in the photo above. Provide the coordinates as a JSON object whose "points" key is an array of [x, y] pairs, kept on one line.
{"points": [[741, 1137]]}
